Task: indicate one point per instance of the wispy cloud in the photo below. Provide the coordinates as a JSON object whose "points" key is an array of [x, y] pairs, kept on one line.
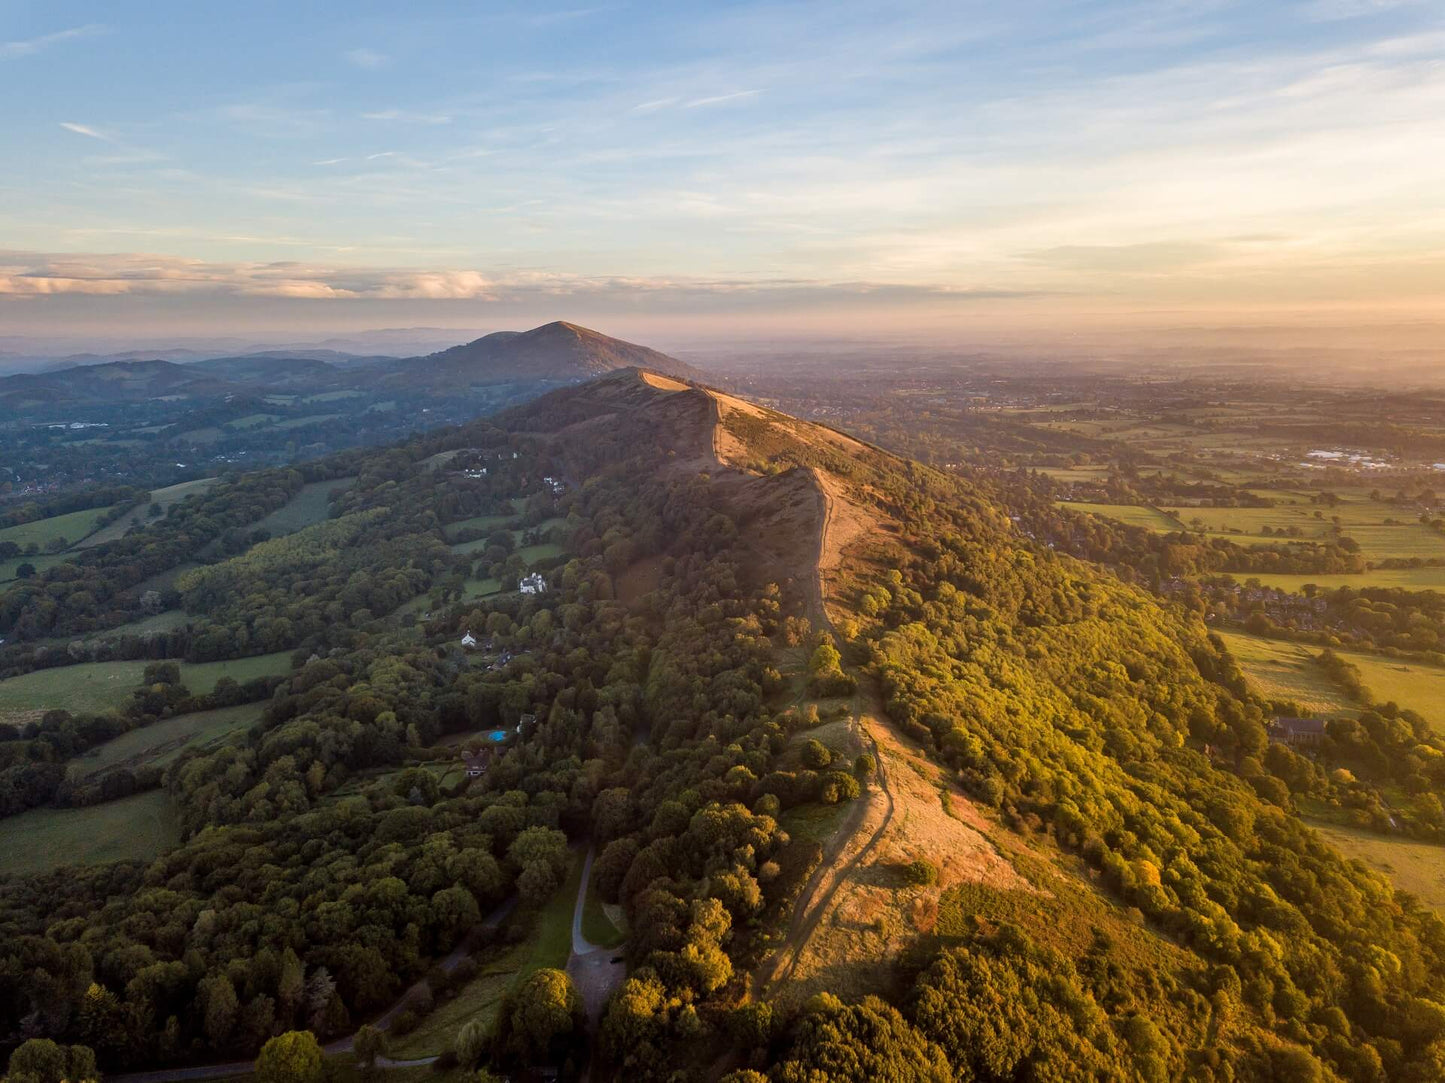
{"points": [[368, 59], [87, 131], [1334, 10], [9, 50], [404, 116], [719, 99], [33, 275]]}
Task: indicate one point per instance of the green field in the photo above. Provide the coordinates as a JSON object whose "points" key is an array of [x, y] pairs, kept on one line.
{"points": [[139, 827], [161, 742], [1401, 578], [100, 686], [1415, 685], [1416, 867], [311, 505], [1288, 671], [171, 494], [1130, 514], [40, 562], [533, 553], [73, 527], [479, 522], [302, 422], [473, 589], [332, 396], [1282, 670], [252, 421]]}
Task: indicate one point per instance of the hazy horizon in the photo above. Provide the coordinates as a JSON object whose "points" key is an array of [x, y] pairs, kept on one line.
{"points": [[1058, 172]]}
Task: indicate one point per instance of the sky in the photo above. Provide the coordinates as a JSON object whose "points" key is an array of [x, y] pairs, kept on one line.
{"points": [[189, 168]]}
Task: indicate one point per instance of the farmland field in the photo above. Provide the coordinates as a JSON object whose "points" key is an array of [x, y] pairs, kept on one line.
{"points": [[1416, 867], [160, 742], [302, 422], [139, 827], [1130, 514], [1282, 670], [479, 522], [73, 527], [171, 494], [307, 508], [1402, 578], [39, 562], [1415, 685], [99, 686]]}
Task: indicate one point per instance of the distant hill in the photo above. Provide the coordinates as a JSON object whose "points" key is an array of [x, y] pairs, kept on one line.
{"points": [[112, 382], [555, 352]]}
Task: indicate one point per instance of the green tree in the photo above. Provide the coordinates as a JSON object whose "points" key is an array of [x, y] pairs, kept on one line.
{"points": [[293, 1057]]}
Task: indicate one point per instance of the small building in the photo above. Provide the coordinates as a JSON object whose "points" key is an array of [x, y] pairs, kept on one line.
{"points": [[469, 641], [535, 583], [475, 762], [1297, 732]]}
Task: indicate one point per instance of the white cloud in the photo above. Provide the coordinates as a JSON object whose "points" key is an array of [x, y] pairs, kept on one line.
{"points": [[369, 59], [718, 99], [86, 130], [10, 50], [1334, 10]]}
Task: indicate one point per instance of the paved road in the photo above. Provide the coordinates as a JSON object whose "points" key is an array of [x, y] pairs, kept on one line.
{"points": [[340, 1045], [591, 966]]}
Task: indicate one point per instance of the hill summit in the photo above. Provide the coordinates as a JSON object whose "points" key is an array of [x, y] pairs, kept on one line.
{"points": [[557, 351]]}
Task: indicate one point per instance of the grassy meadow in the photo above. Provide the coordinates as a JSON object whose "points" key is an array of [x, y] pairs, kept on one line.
{"points": [[101, 686], [1129, 514], [1281, 670], [73, 527], [133, 828], [307, 508], [161, 742], [1416, 867]]}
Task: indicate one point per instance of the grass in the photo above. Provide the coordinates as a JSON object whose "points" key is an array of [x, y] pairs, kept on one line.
{"points": [[1129, 514], [478, 522], [1283, 670], [812, 822], [100, 686], [1287, 671], [1401, 578], [473, 589], [171, 494], [597, 927], [139, 827], [332, 396], [302, 422], [1416, 867], [311, 505], [40, 562], [252, 421], [73, 527], [549, 944], [161, 742], [1416, 685]]}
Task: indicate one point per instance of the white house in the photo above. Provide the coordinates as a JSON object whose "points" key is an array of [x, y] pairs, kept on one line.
{"points": [[533, 584], [469, 641]]}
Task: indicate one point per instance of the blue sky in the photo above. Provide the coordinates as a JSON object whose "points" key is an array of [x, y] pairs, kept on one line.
{"points": [[183, 166]]}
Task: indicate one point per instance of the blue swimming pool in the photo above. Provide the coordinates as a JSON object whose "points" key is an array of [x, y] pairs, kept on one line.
{"points": [[497, 735]]}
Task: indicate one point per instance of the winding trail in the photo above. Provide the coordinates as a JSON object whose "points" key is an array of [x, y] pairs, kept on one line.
{"points": [[339, 1045], [814, 900]]}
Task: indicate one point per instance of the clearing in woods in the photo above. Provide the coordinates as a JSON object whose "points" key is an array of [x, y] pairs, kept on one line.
{"points": [[170, 495], [1416, 867], [309, 506], [161, 742], [132, 828], [73, 527], [98, 686]]}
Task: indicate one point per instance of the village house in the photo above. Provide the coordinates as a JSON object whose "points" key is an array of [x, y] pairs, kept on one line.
{"points": [[1297, 732], [533, 584], [469, 641], [476, 762]]}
